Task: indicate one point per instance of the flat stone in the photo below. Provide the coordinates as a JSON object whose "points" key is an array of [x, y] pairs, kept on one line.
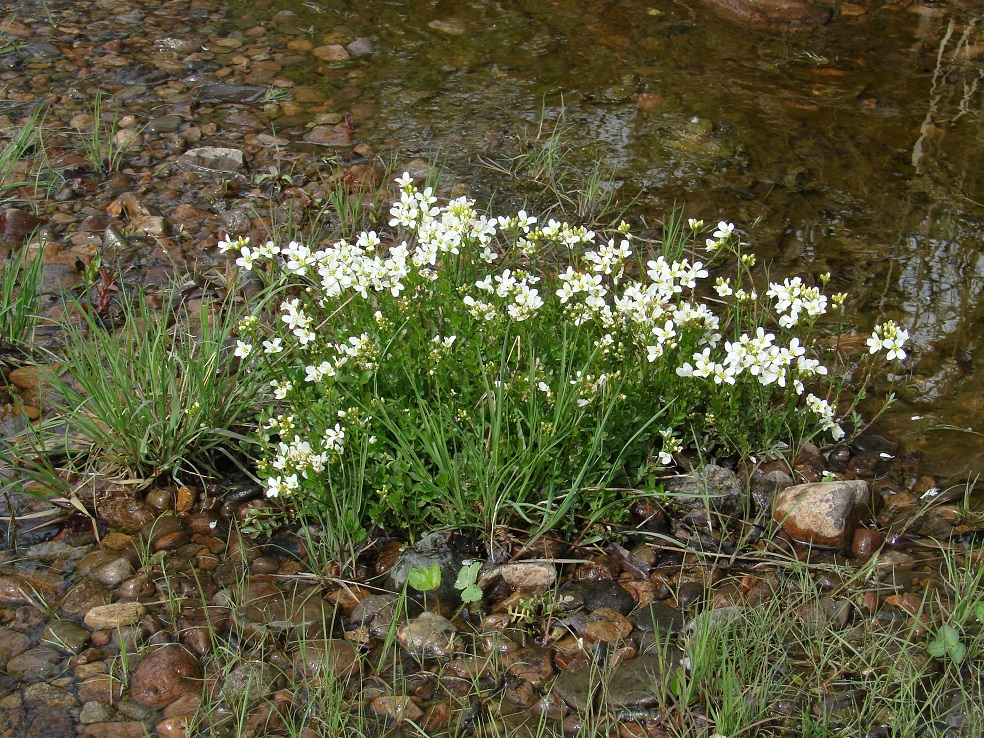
{"points": [[428, 636], [398, 709], [36, 695], [110, 617], [12, 643], [659, 618], [245, 94], [533, 665], [212, 159], [329, 136], [35, 665], [95, 712], [65, 635], [637, 682], [594, 595], [711, 486], [124, 729], [822, 513], [450, 26], [772, 15], [251, 680], [126, 514], [85, 595], [52, 722], [327, 656]]}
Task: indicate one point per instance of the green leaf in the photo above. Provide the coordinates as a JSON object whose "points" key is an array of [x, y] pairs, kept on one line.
{"points": [[937, 649], [472, 593], [979, 610], [949, 635], [467, 575], [957, 652], [425, 579]]}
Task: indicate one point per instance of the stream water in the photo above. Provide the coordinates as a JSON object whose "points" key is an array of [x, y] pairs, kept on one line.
{"points": [[854, 147]]}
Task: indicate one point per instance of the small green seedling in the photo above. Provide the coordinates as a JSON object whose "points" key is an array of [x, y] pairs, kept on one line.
{"points": [[947, 643], [466, 582], [425, 578]]}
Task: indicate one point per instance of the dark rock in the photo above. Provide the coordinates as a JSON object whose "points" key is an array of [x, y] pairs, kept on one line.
{"points": [[327, 656], [51, 722], [35, 665], [43, 49], [765, 487], [712, 487], [533, 665], [361, 47], [658, 617], [823, 513], [65, 635], [595, 595], [12, 643], [84, 596], [432, 549]]}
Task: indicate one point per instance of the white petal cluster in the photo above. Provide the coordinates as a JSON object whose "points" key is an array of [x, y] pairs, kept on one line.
{"points": [[889, 337]]}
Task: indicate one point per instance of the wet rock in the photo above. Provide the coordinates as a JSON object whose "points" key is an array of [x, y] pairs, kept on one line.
{"points": [[212, 159], [361, 47], [114, 572], [765, 487], [865, 542], [243, 94], [12, 591], [164, 676], [450, 26], [42, 49], [428, 636], [163, 124], [109, 617], [123, 729], [48, 694], [772, 15], [824, 613], [250, 681], [138, 586], [12, 643], [532, 665], [327, 656], [397, 709], [432, 549], [15, 226], [84, 596], [331, 53], [595, 595], [172, 727], [52, 722], [35, 665], [712, 487], [530, 578], [338, 135], [95, 712], [658, 617], [822, 513], [126, 514], [635, 683], [65, 635], [605, 624]]}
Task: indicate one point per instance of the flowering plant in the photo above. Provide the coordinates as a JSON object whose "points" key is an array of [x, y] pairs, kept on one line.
{"points": [[471, 369]]}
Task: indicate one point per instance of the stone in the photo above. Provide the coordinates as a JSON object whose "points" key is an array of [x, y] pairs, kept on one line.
{"points": [[114, 572], [35, 665], [331, 53], [65, 635], [95, 712], [109, 617], [765, 487], [172, 727], [635, 683], [165, 675], [327, 656], [397, 709], [361, 47], [124, 729], [450, 26], [43, 693], [244, 94], [12, 591], [430, 550], [126, 514], [712, 487], [822, 513], [594, 595], [338, 135], [212, 159], [529, 578], [250, 681], [428, 636], [658, 617], [533, 665], [12, 643], [605, 624], [773, 15], [52, 722]]}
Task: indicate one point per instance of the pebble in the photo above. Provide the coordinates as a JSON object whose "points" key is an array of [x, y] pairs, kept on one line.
{"points": [[327, 656], [65, 635], [530, 578], [95, 712], [429, 636], [398, 708], [822, 513], [532, 665], [35, 665], [660, 618], [12, 643]]}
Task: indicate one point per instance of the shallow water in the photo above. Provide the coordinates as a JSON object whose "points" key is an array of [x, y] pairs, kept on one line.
{"points": [[853, 148]]}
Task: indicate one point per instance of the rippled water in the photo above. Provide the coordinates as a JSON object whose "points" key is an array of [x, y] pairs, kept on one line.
{"points": [[854, 148]]}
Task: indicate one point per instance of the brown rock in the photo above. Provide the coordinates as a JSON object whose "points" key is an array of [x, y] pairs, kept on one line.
{"points": [[100, 687], [772, 15], [126, 514], [821, 513], [397, 708], [331, 53], [128, 729], [173, 727], [164, 676], [531, 578], [12, 591], [328, 655], [533, 665], [605, 624], [866, 541], [12, 643], [84, 596], [339, 135]]}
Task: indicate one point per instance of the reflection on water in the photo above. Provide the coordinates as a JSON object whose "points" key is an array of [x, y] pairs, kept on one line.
{"points": [[854, 148]]}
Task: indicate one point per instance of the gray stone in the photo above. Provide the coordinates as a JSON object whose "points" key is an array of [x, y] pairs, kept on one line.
{"points": [[712, 487], [637, 682], [164, 124], [765, 487], [361, 47], [35, 665], [250, 681], [823, 513], [231, 93], [212, 159], [94, 711], [428, 636], [595, 595]]}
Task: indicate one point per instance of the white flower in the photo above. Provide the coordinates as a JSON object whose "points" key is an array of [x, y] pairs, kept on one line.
{"points": [[247, 258], [243, 349], [888, 336], [274, 346]]}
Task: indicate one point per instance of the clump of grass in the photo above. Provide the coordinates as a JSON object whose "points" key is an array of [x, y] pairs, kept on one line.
{"points": [[19, 283], [24, 142], [162, 395], [99, 142]]}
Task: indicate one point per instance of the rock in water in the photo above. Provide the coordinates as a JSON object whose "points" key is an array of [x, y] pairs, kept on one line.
{"points": [[772, 15], [164, 676], [823, 513]]}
